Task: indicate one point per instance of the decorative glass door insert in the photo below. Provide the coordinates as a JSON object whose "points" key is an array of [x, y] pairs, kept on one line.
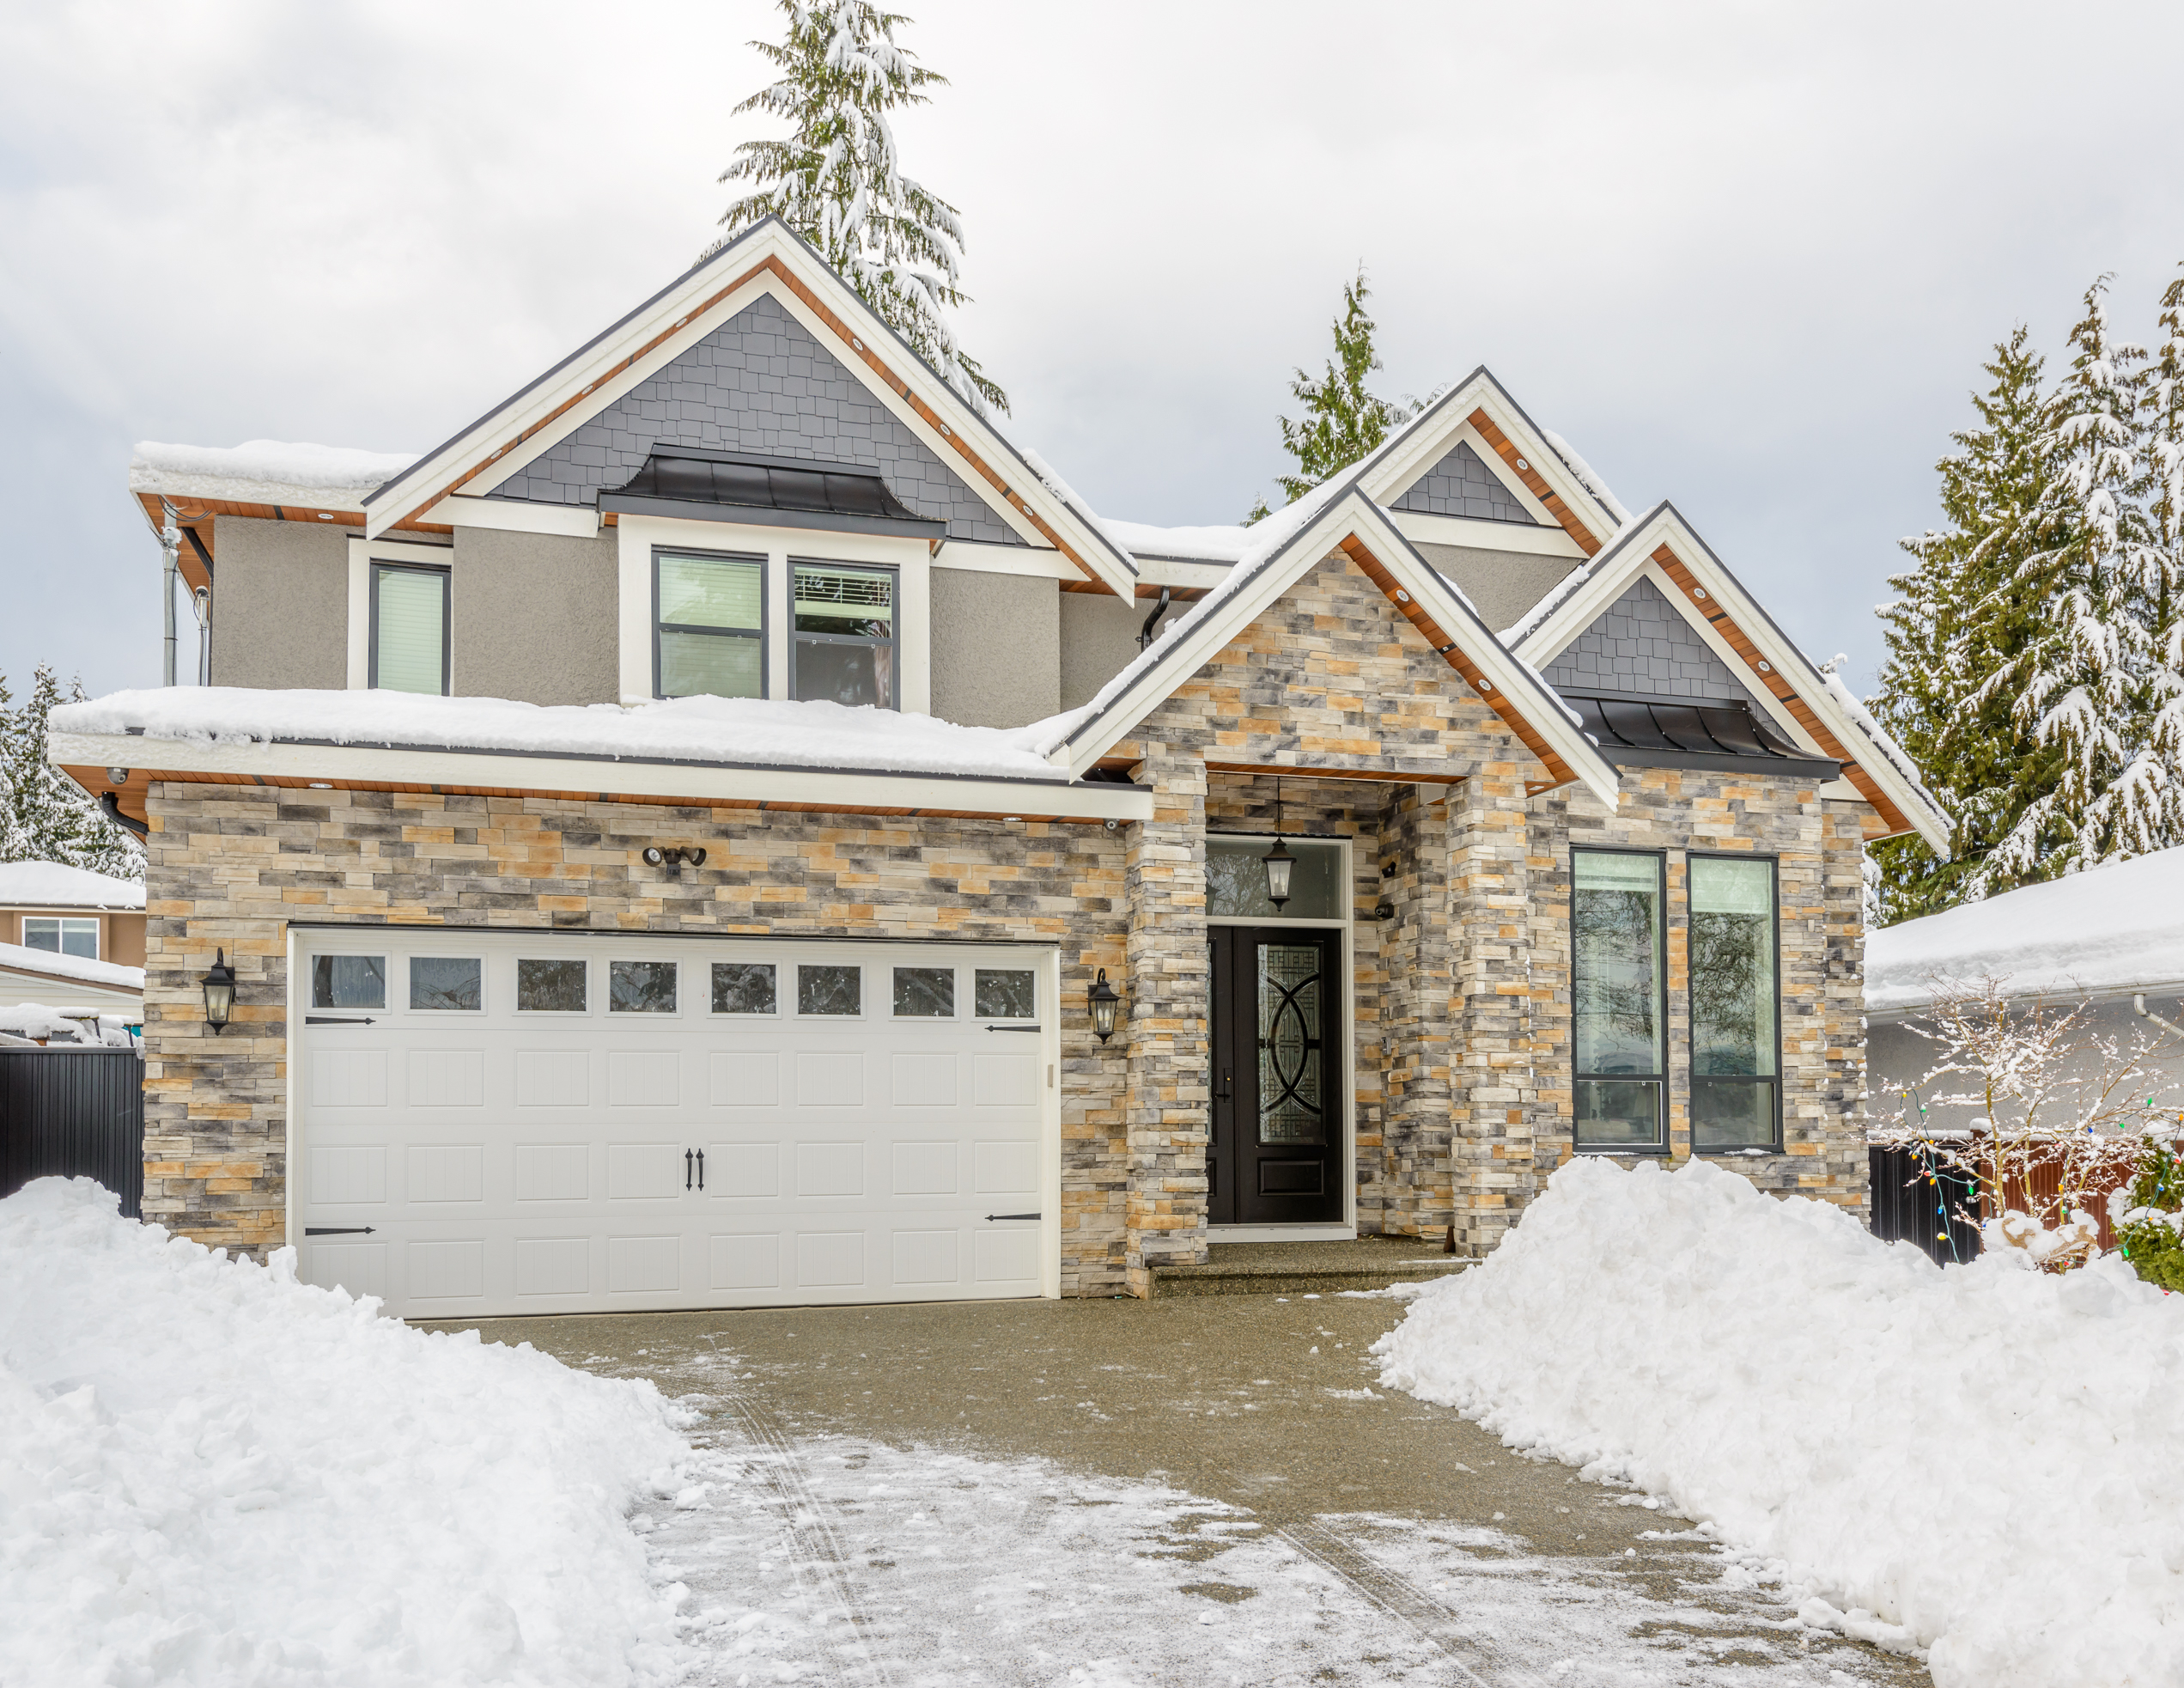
{"points": [[1292, 1099]]}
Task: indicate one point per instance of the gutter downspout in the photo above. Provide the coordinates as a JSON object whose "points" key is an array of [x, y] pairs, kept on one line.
{"points": [[2138, 1007], [170, 556], [1145, 633]]}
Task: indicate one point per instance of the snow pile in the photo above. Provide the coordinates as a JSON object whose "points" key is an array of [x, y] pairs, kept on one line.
{"points": [[20, 958], [212, 1474], [1984, 1462], [55, 885], [263, 471], [41, 1024], [750, 732], [2118, 927], [1192, 544]]}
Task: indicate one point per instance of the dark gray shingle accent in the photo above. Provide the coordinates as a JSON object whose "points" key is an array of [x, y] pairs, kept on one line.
{"points": [[758, 383], [1642, 643], [1462, 485]]}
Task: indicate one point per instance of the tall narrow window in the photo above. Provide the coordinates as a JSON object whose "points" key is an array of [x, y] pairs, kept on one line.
{"points": [[1618, 990], [711, 640], [844, 649], [409, 628], [1736, 1046]]}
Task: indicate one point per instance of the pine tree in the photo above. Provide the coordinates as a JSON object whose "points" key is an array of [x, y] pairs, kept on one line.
{"points": [[835, 179], [1963, 616], [50, 817], [2094, 684], [1342, 422]]}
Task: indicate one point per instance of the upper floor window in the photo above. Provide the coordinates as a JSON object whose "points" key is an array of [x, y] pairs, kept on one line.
{"points": [[409, 628], [710, 632], [1619, 992], [1736, 1042], [844, 647], [62, 936]]}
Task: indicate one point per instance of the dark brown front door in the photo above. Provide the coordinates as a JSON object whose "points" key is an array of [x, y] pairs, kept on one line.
{"points": [[1276, 1157]]}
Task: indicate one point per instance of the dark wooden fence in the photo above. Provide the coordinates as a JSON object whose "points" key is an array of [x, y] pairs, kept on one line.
{"points": [[1916, 1199], [69, 1112]]}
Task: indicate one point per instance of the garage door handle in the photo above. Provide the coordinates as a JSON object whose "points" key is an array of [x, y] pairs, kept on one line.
{"points": [[701, 1172], [1012, 1028], [1015, 1215], [686, 1169], [332, 1019]]}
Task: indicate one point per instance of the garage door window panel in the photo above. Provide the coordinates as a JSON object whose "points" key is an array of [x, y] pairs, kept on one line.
{"points": [[828, 991], [349, 982], [447, 984], [744, 987], [925, 993], [1005, 993], [552, 986], [640, 987]]}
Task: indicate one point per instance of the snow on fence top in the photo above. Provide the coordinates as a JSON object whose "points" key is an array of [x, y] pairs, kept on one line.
{"points": [[264, 472], [55, 885], [16, 958], [2110, 928], [722, 731]]}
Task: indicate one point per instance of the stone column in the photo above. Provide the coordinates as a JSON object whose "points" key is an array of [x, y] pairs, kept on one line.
{"points": [[1416, 1016], [1167, 1002], [1495, 1081]]}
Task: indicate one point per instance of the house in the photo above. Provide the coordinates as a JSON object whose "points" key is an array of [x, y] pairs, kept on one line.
{"points": [[708, 834], [2102, 945], [71, 938]]}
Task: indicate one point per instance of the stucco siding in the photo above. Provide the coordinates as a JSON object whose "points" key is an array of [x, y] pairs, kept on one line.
{"points": [[280, 605], [534, 618], [1098, 641], [1502, 584], [996, 648]]}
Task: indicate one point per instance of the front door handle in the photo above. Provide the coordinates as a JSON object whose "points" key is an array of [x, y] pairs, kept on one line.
{"points": [[1228, 1081], [701, 1172], [686, 1169]]}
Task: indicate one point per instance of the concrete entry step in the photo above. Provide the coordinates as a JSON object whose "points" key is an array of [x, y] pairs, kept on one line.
{"points": [[1307, 1267]]}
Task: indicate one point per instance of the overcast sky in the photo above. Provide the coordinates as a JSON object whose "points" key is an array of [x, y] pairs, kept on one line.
{"points": [[1744, 256]]}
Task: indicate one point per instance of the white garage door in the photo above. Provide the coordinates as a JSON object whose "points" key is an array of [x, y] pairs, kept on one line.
{"points": [[500, 1123]]}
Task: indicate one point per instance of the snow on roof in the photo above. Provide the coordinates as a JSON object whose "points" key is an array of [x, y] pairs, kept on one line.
{"points": [[39, 1023], [2115, 928], [264, 472], [55, 884], [1588, 477], [720, 731], [1193, 545], [14, 958]]}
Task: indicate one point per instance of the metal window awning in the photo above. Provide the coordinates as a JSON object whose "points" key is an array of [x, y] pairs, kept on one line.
{"points": [[777, 492], [1636, 730]]}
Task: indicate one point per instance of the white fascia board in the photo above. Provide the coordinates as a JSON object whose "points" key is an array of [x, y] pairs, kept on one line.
{"points": [[1548, 540], [513, 515], [1448, 420], [1181, 571], [1040, 562], [679, 782]]}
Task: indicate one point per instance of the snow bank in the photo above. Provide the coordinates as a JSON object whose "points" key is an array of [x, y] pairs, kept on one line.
{"points": [[745, 731], [2119, 927], [212, 1474], [55, 885], [263, 471], [1988, 1461], [20, 958], [41, 1024]]}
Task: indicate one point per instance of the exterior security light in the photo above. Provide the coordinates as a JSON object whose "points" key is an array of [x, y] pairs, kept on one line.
{"points": [[1103, 1003], [674, 856], [219, 991]]}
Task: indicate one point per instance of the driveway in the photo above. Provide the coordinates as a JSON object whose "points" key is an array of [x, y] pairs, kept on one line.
{"points": [[1198, 1491]]}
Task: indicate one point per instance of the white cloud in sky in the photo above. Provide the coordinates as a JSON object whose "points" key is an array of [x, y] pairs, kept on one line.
{"points": [[1747, 257]]}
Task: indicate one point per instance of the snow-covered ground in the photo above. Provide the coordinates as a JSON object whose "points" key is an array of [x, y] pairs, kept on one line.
{"points": [[1985, 1463], [212, 1474]]}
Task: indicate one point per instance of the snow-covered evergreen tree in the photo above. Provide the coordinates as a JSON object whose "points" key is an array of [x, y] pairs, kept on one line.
{"points": [[2163, 415], [49, 817], [1965, 613], [2095, 684], [837, 181], [1343, 421]]}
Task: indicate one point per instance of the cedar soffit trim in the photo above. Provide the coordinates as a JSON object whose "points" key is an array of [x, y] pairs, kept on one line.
{"points": [[1535, 482], [1444, 645], [850, 343]]}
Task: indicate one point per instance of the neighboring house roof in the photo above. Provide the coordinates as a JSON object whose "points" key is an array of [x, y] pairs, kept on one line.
{"points": [[31, 885], [16, 960], [263, 471], [1661, 547], [2112, 929]]}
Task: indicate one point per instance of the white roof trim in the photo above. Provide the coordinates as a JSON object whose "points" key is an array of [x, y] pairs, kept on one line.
{"points": [[1594, 587], [621, 776]]}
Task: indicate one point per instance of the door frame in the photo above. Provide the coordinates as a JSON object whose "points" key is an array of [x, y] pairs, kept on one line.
{"points": [[1047, 963], [1346, 1228]]}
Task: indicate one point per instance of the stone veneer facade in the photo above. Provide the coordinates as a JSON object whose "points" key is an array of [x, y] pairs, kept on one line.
{"points": [[1461, 1099]]}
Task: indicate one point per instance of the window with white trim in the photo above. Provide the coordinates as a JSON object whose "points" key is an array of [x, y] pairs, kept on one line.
{"points": [[709, 624], [843, 647], [409, 628]]}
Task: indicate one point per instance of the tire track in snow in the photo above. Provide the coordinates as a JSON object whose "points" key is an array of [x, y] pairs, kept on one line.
{"points": [[1403, 1599], [821, 1559]]}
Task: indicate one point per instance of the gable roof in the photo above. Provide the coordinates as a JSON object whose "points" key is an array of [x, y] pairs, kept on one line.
{"points": [[1339, 515], [1662, 546], [767, 256]]}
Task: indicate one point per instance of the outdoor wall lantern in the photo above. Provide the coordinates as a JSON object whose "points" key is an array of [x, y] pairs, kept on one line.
{"points": [[1279, 862], [1103, 1002], [219, 991]]}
